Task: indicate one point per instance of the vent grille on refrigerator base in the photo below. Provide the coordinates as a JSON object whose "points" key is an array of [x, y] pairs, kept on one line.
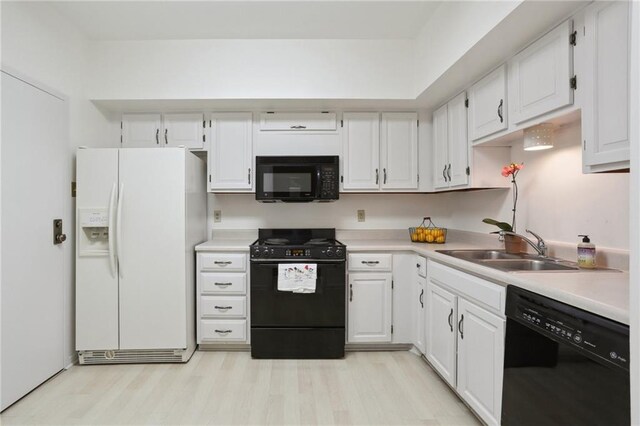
{"points": [[133, 356]]}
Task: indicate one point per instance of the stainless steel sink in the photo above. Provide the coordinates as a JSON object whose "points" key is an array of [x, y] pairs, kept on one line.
{"points": [[521, 262]]}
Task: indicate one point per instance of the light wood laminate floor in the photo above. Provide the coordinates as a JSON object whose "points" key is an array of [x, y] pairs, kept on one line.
{"points": [[220, 388]]}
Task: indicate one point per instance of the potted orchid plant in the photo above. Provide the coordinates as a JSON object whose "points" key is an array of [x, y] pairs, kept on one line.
{"points": [[512, 243]]}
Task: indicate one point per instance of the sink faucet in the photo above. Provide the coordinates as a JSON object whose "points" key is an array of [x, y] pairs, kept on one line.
{"points": [[539, 246]]}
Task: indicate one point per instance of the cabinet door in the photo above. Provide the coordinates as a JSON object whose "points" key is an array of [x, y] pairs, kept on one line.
{"points": [[539, 75], [361, 150], [458, 143], [420, 310], [605, 114], [440, 148], [440, 336], [480, 360], [487, 104], [369, 308], [230, 155], [399, 150], [184, 130], [141, 130]]}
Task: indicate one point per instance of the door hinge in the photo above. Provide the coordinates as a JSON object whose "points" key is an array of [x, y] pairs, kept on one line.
{"points": [[584, 144], [418, 178], [203, 139], [204, 123], [209, 178], [391, 328], [418, 123], [341, 123], [573, 82], [468, 171], [391, 284], [341, 179], [209, 123], [120, 139], [121, 125], [73, 189], [466, 103], [573, 38]]}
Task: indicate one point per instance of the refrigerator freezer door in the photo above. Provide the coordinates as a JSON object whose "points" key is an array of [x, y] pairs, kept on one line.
{"points": [[96, 282], [151, 249]]}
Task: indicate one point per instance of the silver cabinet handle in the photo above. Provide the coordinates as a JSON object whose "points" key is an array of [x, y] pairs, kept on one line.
{"points": [[350, 292], [500, 110], [444, 173], [223, 331], [370, 262], [223, 262], [377, 176], [298, 127], [222, 284], [421, 300], [166, 140], [223, 308], [460, 329], [449, 172], [449, 320], [157, 138], [384, 174], [249, 176]]}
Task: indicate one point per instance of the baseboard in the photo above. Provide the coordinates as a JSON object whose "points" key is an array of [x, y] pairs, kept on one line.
{"points": [[363, 347]]}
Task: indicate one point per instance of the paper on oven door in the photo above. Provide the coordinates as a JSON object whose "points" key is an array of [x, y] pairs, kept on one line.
{"points": [[297, 277]]}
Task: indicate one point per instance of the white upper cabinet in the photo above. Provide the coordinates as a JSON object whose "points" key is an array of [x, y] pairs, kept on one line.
{"points": [[605, 113], [298, 121], [184, 130], [380, 153], [488, 104], [230, 153], [361, 150], [451, 147], [540, 75], [157, 130], [140, 130], [399, 150]]}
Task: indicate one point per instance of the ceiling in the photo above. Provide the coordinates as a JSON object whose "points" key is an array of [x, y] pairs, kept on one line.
{"points": [[181, 20]]}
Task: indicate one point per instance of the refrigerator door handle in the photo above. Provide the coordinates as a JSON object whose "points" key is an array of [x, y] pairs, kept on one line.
{"points": [[112, 224], [119, 229]]}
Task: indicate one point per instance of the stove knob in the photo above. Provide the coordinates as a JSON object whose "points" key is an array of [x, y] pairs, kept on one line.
{"points": [[329, 252], [265, 253], [339, 252]]}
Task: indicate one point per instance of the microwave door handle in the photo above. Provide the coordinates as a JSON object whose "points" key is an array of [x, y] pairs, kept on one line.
{"points": [[318, 184]]}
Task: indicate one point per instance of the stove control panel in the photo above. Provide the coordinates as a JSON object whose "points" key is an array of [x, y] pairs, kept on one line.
{"points": [[302, 252]]}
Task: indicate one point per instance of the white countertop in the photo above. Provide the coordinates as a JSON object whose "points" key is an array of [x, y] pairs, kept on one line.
{"points": [[601, 292]]}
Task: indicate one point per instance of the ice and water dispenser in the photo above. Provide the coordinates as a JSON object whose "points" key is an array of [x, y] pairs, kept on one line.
{"points": [[93, 240]]}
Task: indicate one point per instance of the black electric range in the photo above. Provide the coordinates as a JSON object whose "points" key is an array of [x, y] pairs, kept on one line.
{"points": [[286, 324]]}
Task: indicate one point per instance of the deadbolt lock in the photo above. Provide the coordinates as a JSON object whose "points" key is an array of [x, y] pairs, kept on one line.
{"points": [[58, 236]]}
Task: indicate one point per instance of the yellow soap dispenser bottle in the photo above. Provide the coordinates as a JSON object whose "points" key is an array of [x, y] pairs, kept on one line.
{"points": [[586, 253]]}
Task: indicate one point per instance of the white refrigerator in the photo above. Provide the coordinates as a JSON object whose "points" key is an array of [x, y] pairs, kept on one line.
{"points": [[139, 214]]}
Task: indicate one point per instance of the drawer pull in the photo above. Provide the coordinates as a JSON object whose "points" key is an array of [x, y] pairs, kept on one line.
{"points": [[223, 308], [223, 262], [223, 331], [370, 262], [222, 284]]}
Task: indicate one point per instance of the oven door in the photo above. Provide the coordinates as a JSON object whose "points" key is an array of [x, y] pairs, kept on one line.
{"points": [[287, 182], [273, 308]]}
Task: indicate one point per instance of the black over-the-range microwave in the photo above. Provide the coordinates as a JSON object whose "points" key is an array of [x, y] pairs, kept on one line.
{"points": [[297, 178]]}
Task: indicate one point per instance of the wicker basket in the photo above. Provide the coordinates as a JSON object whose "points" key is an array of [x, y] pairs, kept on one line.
{"points": [[428, 234]]}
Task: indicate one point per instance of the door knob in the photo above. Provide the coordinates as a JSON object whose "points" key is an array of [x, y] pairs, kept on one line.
{"points": [[61, 238], [58, 236]]}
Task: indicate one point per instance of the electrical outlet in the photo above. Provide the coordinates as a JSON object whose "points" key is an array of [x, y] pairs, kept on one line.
{"points": [[360, 215], [217, 215]]}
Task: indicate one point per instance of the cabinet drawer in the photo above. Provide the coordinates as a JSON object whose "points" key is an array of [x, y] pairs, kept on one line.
{"points": [[215, 330], [216, 283], [223, 306], [370, 262], [489, 294], [298, 121], [223, 261], [421, 266]]}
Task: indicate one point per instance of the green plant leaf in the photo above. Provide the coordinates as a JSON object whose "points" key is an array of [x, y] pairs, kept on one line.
{"points": [[502, 225]]}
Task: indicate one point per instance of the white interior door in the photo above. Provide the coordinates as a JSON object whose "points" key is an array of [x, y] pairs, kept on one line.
{"points": [[34, 170], [151, 248]]}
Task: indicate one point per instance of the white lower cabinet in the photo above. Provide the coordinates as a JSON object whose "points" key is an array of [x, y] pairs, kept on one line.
{"points": [[222, 304], [419, 338], [369, 309], [465, 337]]}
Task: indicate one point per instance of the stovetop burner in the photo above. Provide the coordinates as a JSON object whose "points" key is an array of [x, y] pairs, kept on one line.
{"points": [[300, 244]]}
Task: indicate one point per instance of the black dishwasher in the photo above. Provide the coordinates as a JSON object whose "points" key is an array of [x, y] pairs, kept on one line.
{"points": [[563, 365]]}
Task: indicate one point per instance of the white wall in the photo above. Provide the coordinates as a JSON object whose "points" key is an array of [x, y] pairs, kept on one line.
{"points": [[40, 45], [251, 69], [555, 199], [450, 32]]}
